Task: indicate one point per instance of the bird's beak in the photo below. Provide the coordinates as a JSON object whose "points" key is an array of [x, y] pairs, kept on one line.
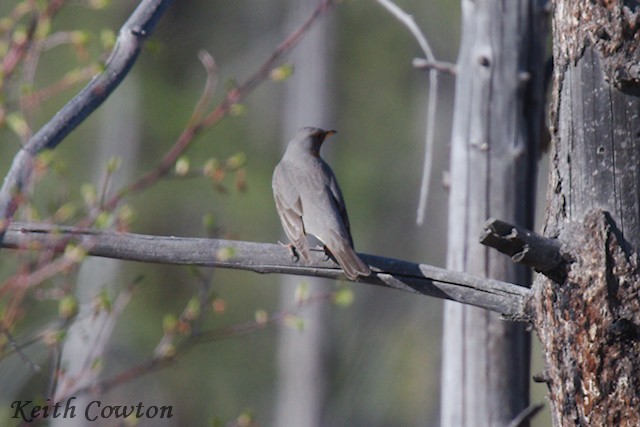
{"points": [[329, 133]]}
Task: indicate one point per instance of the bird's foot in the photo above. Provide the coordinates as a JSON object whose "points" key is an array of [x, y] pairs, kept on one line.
{"points": [[328, 255], [292, 249]]}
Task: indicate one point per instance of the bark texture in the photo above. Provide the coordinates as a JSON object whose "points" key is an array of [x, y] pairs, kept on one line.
{"points": [[496, 130], [589, 328], [589, 323]]}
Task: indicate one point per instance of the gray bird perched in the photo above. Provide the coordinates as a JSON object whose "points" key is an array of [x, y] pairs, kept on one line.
{"points": [[309, 201]]}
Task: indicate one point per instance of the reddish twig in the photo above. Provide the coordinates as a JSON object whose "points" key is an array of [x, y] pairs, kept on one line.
{"points": [[217, 334], [20, 48], [233, 97], [132, 34]]}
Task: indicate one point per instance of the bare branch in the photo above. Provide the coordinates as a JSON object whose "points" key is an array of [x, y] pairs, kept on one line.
{"points": [[505, 298], [34, 367], [443, 67], [524, 246], [137, 28], [410, 23], [525, 416], [211, 68], [217, 334], [234, 96]]}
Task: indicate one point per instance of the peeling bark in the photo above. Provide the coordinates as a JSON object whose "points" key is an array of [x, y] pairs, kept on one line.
{"points": [[589, 328], [589, 320]]}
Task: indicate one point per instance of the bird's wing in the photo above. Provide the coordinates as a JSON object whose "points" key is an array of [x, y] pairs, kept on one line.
{"points": [[289, 207], [339, 200]]}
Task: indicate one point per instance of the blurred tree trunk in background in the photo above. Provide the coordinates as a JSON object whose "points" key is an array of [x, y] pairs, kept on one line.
{"points": [[498, 117], [87, 338], [589, 323], [301, 355]]}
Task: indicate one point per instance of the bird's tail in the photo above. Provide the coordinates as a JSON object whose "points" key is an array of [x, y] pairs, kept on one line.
{"points": [[349, 260]]}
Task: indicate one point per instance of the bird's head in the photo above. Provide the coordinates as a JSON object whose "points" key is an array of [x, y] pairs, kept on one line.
{"points": [[310, 139]]}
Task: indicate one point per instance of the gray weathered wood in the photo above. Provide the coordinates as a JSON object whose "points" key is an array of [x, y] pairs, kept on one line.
{"points": [[588, 323], [496, 131], [504, 298], [524, 246]]}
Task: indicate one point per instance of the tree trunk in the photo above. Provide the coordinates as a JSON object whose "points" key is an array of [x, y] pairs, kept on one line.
{"points": [[301, 355], [496, 131], [89, 335], [589, 324]]}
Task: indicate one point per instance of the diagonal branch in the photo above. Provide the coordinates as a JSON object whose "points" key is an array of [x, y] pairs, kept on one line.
{"points": [[234, 96], [408, 21], [505, 298], [132, 34]]}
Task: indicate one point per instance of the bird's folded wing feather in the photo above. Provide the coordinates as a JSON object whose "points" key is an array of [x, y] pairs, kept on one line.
{"points": [[289, 209], [339, 201]]}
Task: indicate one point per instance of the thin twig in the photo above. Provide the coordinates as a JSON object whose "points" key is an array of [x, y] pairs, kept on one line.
{"points": [[67, 386], [32, 100], [505, 298], [233, 97], [34, 367], [526, 415], [410, 23], [47, 271], [443, 67], [214, 335], [137, 28], [211, 68]]}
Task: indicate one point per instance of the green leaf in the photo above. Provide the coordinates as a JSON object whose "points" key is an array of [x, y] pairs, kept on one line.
{"points": [[74, 253], [89, 194], [182, 166], [68, 307], [236, 161], [237, 109], [107, 39], [302, 292], [65, 212], [209, 221], [169, 323], [17, 123], [262, 317], [126, 215], [295, 322], [344, 297], [104, 220], [282, 72], [113, 164], [225, 254], [104, 301], [210, 167], [80, 37], [246, 418], [192, 312], [99, 4], [97, 364]]}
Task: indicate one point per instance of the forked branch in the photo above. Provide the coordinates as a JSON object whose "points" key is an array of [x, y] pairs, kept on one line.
{"points": [[132, 34]]}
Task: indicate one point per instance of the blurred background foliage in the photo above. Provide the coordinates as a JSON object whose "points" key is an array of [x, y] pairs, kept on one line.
{"points": [[385, 347]]}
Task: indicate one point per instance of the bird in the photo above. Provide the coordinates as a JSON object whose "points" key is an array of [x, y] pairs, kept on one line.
{"points": [[309, 201]]}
